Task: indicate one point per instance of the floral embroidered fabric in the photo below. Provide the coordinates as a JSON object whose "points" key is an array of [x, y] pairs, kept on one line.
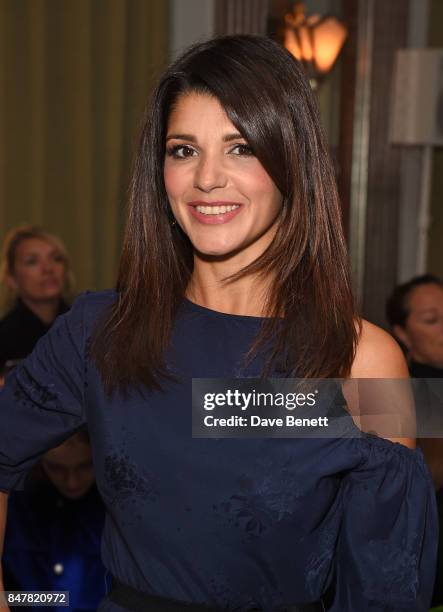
{"points": [[239, 524]]}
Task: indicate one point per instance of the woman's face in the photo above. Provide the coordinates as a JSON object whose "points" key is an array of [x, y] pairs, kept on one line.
{"points": [[423, 331], [69, 467], [220, 194], [39, 271]]}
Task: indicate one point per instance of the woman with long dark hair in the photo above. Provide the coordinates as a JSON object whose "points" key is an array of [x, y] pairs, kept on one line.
{"points": [[234, 266]]}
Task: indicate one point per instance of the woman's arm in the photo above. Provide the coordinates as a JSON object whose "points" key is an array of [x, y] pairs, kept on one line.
{"points": [[387, 547], [378, 356]]}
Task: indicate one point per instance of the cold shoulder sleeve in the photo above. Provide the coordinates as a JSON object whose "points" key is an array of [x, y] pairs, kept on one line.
{"points": [[42, 402], [387, 548]]}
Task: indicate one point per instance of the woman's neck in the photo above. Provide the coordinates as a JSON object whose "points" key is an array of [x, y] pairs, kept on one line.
{"points": [[246, 296], [46, 310]]}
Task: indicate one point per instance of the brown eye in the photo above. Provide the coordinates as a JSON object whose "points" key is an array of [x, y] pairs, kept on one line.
{"points": [[242, 149], [30, 261], [181, 151]]}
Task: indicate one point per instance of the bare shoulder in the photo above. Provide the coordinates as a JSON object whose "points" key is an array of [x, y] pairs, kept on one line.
{"points": [[378, 355]]}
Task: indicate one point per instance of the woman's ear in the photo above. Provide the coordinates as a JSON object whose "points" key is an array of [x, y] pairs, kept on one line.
{"points": [[401, 334]]}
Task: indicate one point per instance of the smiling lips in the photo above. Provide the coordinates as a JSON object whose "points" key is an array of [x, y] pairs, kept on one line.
{"points": [[214, 213]]}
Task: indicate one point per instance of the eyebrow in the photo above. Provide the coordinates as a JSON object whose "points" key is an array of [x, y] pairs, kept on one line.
{"points": [[191, 138], [427, 310], [54, 251]]}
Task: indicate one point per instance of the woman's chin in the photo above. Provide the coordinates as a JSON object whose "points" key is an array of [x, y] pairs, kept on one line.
{"points": [[47, 296], [214, 252]]}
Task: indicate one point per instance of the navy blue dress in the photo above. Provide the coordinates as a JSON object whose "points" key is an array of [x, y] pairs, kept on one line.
{"points": [[234, 523]]}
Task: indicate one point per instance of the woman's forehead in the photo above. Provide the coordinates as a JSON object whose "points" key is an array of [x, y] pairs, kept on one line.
{"points": [[195, 109], [35, 245], [425, 297]]}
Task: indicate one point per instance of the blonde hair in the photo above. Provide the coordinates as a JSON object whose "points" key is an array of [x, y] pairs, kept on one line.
{"points": [[9, 250]]}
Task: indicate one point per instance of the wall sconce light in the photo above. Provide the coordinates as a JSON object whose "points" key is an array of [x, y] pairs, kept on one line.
{"points": [[314, 40]]}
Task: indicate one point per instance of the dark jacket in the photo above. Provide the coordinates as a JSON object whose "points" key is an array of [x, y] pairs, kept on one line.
{"points": [[20, 331]]}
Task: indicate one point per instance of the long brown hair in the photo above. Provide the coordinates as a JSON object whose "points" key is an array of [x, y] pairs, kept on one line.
{"points": [[266, 95]]}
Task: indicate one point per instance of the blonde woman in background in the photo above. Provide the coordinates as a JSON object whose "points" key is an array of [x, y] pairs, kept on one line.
{"points": [[36, 278]]}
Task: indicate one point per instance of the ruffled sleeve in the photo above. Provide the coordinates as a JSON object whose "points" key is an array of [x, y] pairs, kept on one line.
{"points": [[42, 402], [387, 547]]}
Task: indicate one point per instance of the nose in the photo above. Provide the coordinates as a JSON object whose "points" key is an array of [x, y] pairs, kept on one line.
{"points": [[48, 265], [210, 173]]}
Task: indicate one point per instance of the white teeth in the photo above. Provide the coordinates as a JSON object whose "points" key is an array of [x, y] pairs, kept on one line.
{"points": [[216, 210]]}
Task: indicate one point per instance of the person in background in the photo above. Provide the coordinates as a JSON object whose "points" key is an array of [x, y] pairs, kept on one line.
{"points": [[52, 540], [36, 278], [54, 526], [415, 313]]}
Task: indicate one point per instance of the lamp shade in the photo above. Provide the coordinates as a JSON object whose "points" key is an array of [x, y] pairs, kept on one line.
{"points": [[328, 38], [316, 41]]}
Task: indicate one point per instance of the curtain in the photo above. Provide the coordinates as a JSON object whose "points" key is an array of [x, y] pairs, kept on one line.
{"points": [[241, 16], [75, 76]]}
